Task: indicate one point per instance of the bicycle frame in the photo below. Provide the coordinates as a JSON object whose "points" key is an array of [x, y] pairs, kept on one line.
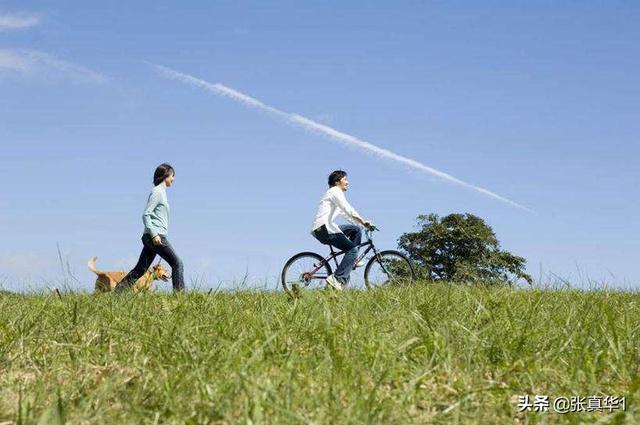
{"points": [[334, 256]]}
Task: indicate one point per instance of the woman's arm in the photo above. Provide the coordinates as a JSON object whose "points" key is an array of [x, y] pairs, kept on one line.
{"points": [[152, 203]]}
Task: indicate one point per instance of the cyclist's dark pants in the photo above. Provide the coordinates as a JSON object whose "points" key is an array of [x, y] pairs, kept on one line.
{"points": [[347, 241], [148, 254]]}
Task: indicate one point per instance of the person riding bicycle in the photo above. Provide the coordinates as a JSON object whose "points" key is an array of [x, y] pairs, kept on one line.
{"points": [[345, 237]]}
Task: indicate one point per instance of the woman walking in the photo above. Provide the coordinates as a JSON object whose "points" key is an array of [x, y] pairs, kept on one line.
{"points": [[154, 238]]}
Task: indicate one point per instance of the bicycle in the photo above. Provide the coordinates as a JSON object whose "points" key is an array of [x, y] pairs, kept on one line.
{"points": [[308, 269]]}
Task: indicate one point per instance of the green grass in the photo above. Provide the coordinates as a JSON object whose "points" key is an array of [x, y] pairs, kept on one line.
{"points": [[422, 354]]}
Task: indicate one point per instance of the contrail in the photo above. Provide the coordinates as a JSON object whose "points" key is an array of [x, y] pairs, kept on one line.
{"points": [[325, 130]]}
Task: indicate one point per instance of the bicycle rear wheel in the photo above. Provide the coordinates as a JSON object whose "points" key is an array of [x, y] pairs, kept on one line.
{"points": [[306, 270], [388, 267]]}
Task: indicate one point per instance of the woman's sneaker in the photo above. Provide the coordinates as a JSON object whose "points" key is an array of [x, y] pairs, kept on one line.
{"points": [[333, 282]]}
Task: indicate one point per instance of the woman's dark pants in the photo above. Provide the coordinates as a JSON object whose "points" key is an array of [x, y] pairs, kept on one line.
{"points": [[148, 254]]}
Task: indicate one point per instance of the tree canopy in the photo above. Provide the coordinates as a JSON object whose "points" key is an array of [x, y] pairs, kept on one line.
{"points": [[461, 248]]}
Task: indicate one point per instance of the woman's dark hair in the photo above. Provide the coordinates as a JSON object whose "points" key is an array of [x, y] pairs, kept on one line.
{"points": [[162, 172], [335, 177]]}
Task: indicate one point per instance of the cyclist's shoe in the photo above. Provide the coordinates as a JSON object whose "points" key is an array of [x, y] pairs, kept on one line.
{"points": [[334, 283], [359, 264]]}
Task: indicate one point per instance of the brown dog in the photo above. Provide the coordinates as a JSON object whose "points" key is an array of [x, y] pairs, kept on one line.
{"points": [[107, 281]]}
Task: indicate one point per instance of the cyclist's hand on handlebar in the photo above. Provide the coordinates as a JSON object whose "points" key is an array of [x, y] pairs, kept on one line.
{"points": [[369, 225]]}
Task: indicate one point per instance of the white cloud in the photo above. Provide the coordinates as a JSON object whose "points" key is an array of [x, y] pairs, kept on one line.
{"points": [[12, 61], [36, 63], [18, 21]]}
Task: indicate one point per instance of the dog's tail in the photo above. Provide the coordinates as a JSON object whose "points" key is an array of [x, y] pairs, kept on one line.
{"points": [[92, 265]]}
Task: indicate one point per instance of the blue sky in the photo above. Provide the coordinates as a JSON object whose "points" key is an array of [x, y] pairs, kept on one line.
{"points": [[536, 101]]}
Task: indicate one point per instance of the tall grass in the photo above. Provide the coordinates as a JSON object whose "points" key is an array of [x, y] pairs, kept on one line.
{"points": [[421, 354]]}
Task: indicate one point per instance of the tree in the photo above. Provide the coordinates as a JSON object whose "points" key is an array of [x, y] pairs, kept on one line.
{"points": [[461, 248]]}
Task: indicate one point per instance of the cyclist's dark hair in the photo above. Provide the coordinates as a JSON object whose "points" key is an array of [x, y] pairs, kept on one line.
{"points": [[162, 172], [335, 177]]}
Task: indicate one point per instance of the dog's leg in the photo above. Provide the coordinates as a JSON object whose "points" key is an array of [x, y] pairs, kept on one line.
{"points": [[144, 283], [102, 284]]}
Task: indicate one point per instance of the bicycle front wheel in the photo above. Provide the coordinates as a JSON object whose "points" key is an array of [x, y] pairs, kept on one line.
{"points": [[388, 267], [306, 270]]}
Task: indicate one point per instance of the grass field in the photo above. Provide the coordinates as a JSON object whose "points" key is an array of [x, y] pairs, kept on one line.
{"points": [[421, 354]]}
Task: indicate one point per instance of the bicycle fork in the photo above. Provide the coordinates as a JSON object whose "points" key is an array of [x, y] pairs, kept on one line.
{"points": [[377, 255]]}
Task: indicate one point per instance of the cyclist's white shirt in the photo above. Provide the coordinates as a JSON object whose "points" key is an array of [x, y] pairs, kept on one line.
{"points": [[332, 204]]}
